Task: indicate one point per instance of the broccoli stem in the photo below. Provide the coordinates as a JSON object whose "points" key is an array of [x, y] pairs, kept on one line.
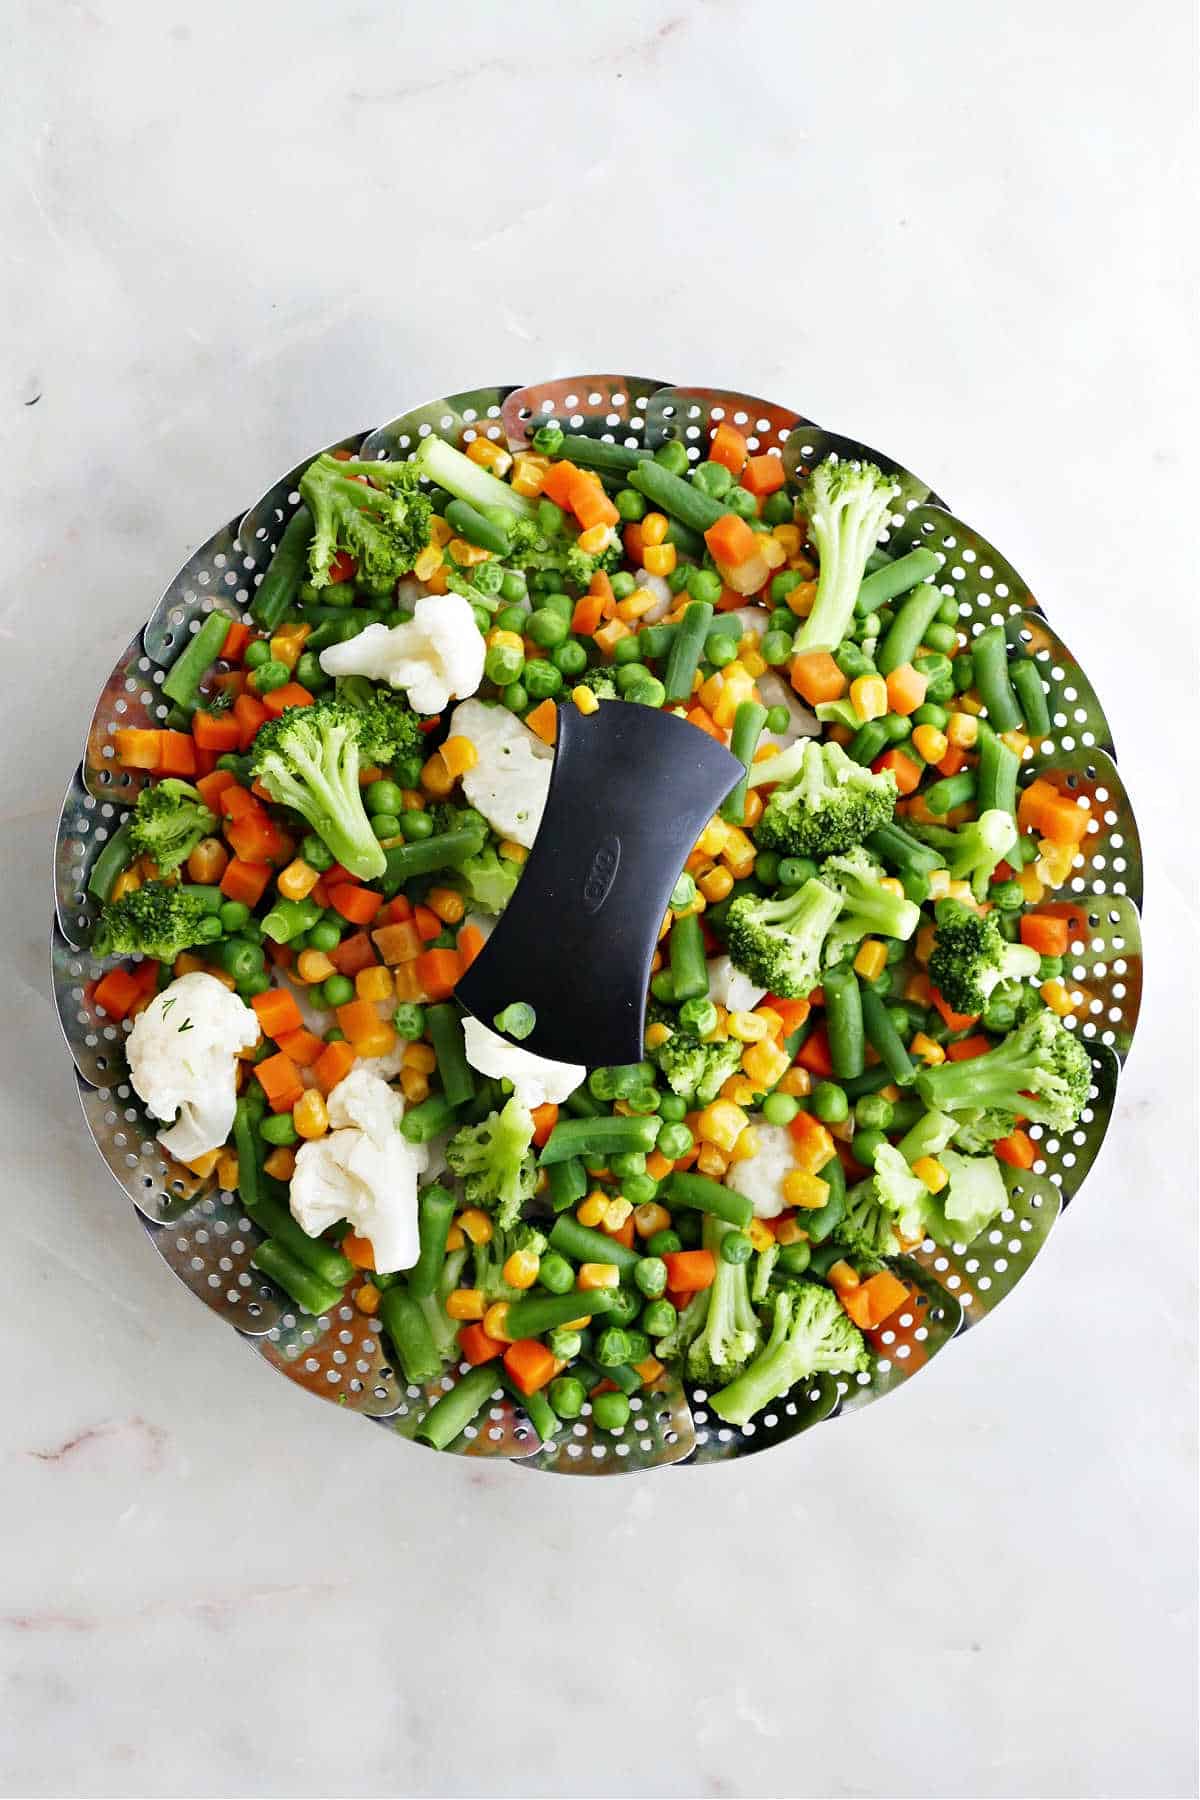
{"points": [[448, 468]]}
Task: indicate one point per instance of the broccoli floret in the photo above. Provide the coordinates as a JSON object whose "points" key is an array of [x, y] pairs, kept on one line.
{"points": [[867, 1231], [970, 958], [779, 943], [309, 757], [809, 1334], [154, 920], [976, 1132], [867, 908], [1040, 1071], [847, 505], [579, 566], [697, 1070], [168, 822], [824, 804], [388, 728], [973, 851], [496, 1164], [602, 682], [490, 880], [900, 1192], [384, 526], [731, 1333], [688, 1324]]}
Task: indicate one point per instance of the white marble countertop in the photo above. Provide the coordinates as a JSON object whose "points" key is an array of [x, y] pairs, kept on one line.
{"points": [[233, 233]]}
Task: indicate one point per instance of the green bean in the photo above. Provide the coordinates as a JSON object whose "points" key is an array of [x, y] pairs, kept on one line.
{"points": [[288, 918], [602, 1136], [868, 742], [684, 655], [1031, 693], [708, 1196], [276, 1222], [592, 453], [654, 641], [537, 1408], [951, 791], [468, 523], [990, 656], [435, 1214], [412, 1340], [446, 1032], [338, 628], [844, 1022], [687, 541], [533, 1314], [277, 589], [895, 578], [449, 1418], [996, 775], [582, 1244], [689, 967], [820, 1221], [884, 1038], [109, 864], [445, 849], [907, 630], [311, 1294], [748, 723], [245, 1143], [426, 1120], [676, 496], [183, 681], [568, 1183], [582, 1104], [869, 1082]]}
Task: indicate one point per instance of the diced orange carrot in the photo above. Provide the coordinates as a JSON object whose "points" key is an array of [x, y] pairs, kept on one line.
{"points": [[236, 639], [886, 1294], [631, 537], [906, 689], [1046, 933], [280, 1081], [395, 912], [529, 1363], [968, 1048], [704, 721], [469, 943], [816, 677], [137, 748], [794, 1013], [352, 954], [953, 1021], [1017, 1149], [237, 802], [211, 787], [621, 1234], [729, 448], [901, 767], [290, 694], [358, 1019], [277, 1012], [813, 1141], [658, 1165], [589, 611], [856, 1304], [245, 881], [545, 1118], [254, 837], [342, 568], [1042, 809], [116, 992], [477, 1347], [304, 1047], [437, 971], [216, 731], [358, 905], [688, 1271], [557, 485], [358, 1250], [731, 540], [333, 1065], [589, 502], [177, 753], [427, 924], [542, 720], [250, 713], [764, 475], [397, 943], [813, 1054]]}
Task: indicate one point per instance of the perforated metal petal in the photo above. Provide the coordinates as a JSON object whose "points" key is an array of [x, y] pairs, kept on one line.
{"points": [[200, 1232]]}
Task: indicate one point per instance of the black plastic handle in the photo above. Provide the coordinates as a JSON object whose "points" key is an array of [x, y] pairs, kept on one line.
{"points": [[631, 790]]}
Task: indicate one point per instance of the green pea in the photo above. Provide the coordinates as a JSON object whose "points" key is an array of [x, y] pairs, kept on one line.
{"points": [[873, 1113], [672, 456], [677, 580], [278, 1129], [504, 663], [256, 654], [794, 871], [335, 1035], [415, 824], [383, 797], [1009, 896], [794, 1258], [257, 983], [513, 586], [650, 1275], [713, 479], [339, 990], [937, 716], [941, 637], [644, 1099], [570, 657], [627, 654], [628, 1162], [409, 1020], [674, 1139], [784, 583], [704, 584], [325, 935], [555, 1273], [658, 1317], [631, 505], [778, 718], [623, 1308], [663, 1243], [684, 892], [1050, 968], [233, 915], [547, 627], [863, 1146], [563, 1344], [408, 771], [548, 441], [630, 670], [639, 1189], [650, 692], [829, 1103], [542, 679], [310, 674], [567, 1396], [698, 1016], [515, 697], [512, 618], [551, 519], [741, 501], [720, 649], [673, 1107], [623, 584], [271, 675], [560, 603], [776, 647], [386, 825], [661, 986], [766, 868], [777, 508], [610, 1412], [780, 1109]]}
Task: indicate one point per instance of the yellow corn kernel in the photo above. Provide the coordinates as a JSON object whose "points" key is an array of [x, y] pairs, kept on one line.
{"points": [[436, 778], [923, 946], [962, 730], [657, 1035], [871, 960], [616, 1212], [800, 600], [456, 1238], [1054, 862], [475, 1222], [521, 1268], [466, 554], [712, 1161], [439, 532], [1017, 741], [740, 1089], [504, 640], [1031, 886], [890, 885], [378, 1041], [466, 1303], [204, 1165], [712, 839], [765, 752], [650, 1218], [930, 1053], [959, 890], [970, 702], [804, 1190], [313, 966], [414, 1086], [598, 1275], [309, 1115], [367, 1298], [721, 1123], [227, 1170], [789, 537], [930, 1171], [447, 904], [489, 455], [797, 1083], [595, 540], [654, 528], [592, 1211], [495, 1322], [930, 743], [716, 884], [1057, 998], [760, 1234], [749, 1027], [640, 601], [529, 473], [772, 552], [428, 562], [733, 693], [439, 581], [511, 852], [765, 1063], [659, 559], [746, 1146], [939, 884], [127, 882], [584, 699], [770, 1019], [281, 1164], [790, 1231], [868, 696], [739, 853], [375, 983], [720, 1030], [420, 1056]]}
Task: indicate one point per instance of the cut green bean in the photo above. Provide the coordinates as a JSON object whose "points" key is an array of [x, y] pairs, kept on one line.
{"points": [[534, 1314], [606, 459], [276, 1222], [245, 1143], [683, 658], [682, 1189], [906, 633], [748, 723], [606, 1135], [885, 1039], [869, 741], [109, 864], [951, 791], [435, 1215], [989, 654], [1031, 693], [189, 668], [285, 571], [568, 1183], [582, 1244], [844, 1022], [427, 1119], [463, 519], [446, 849], [677, 497], [537, 1408], [311, 1294], [996, 775], [689, 965], [820, 1221], [446, 1033], [408, 1328], [449, 1418], [895, 578]]}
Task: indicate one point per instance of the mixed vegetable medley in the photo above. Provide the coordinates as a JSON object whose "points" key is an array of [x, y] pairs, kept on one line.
{"points": [[855, 1014]]}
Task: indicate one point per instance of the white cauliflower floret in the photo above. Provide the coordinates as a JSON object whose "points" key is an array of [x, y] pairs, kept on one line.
{"points": [[664, 599], [182, 1055], [364, 1170], [436, 656], [730, 987], [760, 1177], [535, 1079], [511, 778]]}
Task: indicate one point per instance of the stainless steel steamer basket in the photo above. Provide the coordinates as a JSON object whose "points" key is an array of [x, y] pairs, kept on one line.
{"points": [[200, 1232]]}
